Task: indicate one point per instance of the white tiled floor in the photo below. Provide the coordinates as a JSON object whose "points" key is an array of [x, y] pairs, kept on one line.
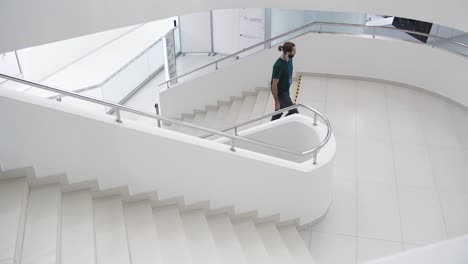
{"points": [[331, 248], [341, 218], [378, 215], [412, 166], [421, 215], [401, 170], [375, 162], [455, 210]]}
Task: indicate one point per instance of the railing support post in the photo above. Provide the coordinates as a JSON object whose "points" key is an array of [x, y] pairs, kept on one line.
{"points": [[156, 106], [315, 157], [435, 38], [233, 149], [315, 119], [117, 114]]}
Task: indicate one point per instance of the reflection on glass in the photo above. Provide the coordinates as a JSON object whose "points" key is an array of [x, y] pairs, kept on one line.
{"points": [[283, 21], [177, 40], [134, 74]]}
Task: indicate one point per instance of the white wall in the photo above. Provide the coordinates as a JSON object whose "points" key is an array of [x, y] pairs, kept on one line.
{"points": [[90, 146], [284, 20], [251, 28], [195, 32], [454, 251], [404, 62], [226, 31], [26, 24], [235, 29]]}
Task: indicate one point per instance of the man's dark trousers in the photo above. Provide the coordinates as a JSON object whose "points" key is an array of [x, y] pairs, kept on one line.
{"points": [[285, 101]]}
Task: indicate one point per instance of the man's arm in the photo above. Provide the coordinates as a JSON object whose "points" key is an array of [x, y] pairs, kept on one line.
{"points": [[277, 73], [274, 90]]}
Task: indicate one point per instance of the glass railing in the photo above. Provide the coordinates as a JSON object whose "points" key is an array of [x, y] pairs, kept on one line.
{"points": [[126, 81], [134, 74], [450, 38], [441, 37], [177, 40], [9, 65], [283, 21]]}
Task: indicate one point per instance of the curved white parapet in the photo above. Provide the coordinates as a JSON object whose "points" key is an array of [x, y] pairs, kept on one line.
{"points": [[453, 251], [297, 132], [56, 138]]}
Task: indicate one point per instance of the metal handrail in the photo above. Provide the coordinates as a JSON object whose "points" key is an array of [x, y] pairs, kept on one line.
{"points": [[280, 111], [233, 138], [94, 86], [276, 112], [216, 62]]}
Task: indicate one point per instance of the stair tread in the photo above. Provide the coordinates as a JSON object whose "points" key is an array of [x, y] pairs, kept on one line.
{"points": [[233, 114], [246, 109], [258, 109], [105, 230], [274, 244], [111, 234], [296, 245], [13, 198], [77, 245], [189, 130], [210, 118], [40, 243], [270, 106], [171, 234], [221, 116], [200, 240], [141, 231], [251, 242], [229, 248], [199, 119], [260, 104]]}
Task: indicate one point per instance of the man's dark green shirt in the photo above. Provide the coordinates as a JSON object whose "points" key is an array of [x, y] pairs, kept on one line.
{"points": [[282, 70]]}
